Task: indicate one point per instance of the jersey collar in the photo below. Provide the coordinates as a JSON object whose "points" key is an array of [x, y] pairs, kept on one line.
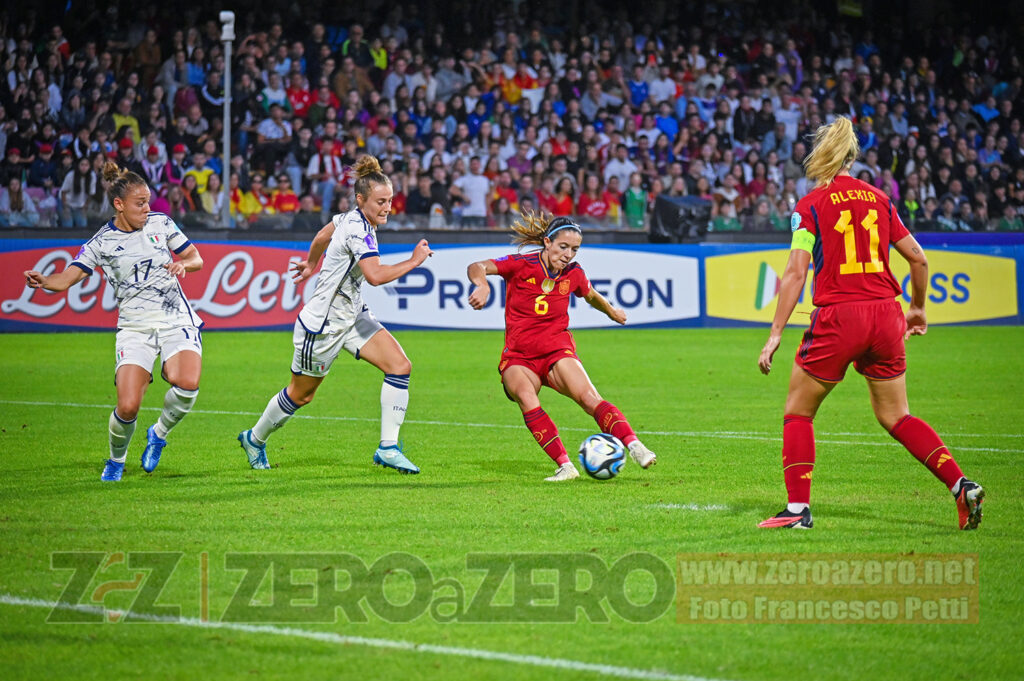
{"points": [[547, 272]]}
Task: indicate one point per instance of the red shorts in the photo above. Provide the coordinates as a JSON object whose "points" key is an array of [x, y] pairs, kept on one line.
{"points": [[538, 365], [869, 334]]}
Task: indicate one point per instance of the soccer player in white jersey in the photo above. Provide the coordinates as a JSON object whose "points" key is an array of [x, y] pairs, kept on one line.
{"points": [[154, 317], [336, 319]]}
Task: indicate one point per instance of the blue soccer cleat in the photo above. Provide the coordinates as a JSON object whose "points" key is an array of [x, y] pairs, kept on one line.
{"points": [[392, 457], [112, 471], [154, 448], [257, 453]]}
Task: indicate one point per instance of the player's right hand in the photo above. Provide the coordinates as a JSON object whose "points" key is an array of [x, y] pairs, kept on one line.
{"points": [[34, 279], [422, 251], [302, 270], [478, 298], [767, 353]]}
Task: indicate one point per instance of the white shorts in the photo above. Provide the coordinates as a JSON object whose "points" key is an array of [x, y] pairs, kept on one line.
{"points": [[142, 347], [316, 352]]}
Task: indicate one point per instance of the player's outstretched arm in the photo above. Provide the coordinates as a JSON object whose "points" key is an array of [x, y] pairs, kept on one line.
{"points": [[793, 280], [477, 273], [377, 273], [303, 269], [917, 322], [190, 261], [55, 282], [600, 303]]}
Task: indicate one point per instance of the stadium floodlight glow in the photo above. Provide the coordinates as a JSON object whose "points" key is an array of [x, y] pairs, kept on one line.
{"points": [[227, 35]]}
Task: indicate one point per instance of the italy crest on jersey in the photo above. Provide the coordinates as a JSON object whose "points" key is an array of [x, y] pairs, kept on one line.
{"points": [[154, 239]]}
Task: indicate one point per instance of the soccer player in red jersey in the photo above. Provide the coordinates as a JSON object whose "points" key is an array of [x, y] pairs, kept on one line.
{"points": [[539, 348], [846, 226]]}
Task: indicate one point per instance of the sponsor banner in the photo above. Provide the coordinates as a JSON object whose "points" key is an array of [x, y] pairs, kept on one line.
{"points": [[247, 286], [653, 288], [241, 286], [745, 287], [963, 286]]}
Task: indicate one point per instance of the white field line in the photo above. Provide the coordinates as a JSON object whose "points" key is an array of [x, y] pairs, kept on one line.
{"points": [[690, 507], [711, 434], [345, 640]]}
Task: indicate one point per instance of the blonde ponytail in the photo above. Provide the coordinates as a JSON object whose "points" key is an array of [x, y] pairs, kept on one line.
{"points": [[835, 150]]}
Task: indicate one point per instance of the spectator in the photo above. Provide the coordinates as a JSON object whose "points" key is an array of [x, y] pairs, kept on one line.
{"points": [[255, 203], [273, 139], [949, 219], [212, 200], [307, 219], [153, 169], [563, 203], [620, 166], [200, 170], [42, 172], [324, 173], [16, 207], [472, 190], [357, 48], [594, 201], [285, 200], [420, 199], [126, 156]]}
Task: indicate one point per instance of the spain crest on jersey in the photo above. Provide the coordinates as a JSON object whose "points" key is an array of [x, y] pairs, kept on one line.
{"points": [[563, 287]]}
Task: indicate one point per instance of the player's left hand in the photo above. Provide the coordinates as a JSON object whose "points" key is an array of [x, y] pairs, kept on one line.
{"points": [[767, 353], [176, 268], [617, 315], [917, 323]]}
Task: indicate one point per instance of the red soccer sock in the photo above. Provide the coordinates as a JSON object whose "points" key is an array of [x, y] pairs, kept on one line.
{"points": [[798, 457], [610, 420], [928, 448], [545, 432]]}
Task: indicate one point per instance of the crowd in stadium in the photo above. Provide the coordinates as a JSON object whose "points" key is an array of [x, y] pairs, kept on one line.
{"points": [[476, 125]]}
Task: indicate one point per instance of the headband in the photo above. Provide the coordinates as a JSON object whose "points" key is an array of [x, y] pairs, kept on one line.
{"points": [[562, 223]]}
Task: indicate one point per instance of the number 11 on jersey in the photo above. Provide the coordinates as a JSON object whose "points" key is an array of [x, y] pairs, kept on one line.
{"points": [[845, 227]]}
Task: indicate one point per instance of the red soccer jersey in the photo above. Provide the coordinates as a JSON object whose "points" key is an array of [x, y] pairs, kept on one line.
{"points": [[537, 304], [853, 224]]}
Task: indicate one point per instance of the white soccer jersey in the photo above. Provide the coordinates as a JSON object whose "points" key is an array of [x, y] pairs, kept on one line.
{"points": [[338, 298], [148, 296]]}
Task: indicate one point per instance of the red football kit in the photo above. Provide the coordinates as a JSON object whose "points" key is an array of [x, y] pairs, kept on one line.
{"points": [[537, 311], [858, 319]]}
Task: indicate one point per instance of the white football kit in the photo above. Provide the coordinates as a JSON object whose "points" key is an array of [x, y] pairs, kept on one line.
{"points": [[154, 316], [336, 316]]}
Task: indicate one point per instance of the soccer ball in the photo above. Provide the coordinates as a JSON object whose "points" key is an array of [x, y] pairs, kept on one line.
{"points": [[602, 456]]}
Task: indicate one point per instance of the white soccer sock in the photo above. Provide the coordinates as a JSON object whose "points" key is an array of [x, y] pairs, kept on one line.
{"points": [[177, 403], [394, 400], [121, 432], [796, 508], [278, 411]]}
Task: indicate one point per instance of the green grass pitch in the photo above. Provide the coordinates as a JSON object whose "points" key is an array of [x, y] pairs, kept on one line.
{"points": [[694, 396]]}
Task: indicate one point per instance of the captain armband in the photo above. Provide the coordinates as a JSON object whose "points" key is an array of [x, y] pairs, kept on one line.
{"points": [[802, 240]]}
